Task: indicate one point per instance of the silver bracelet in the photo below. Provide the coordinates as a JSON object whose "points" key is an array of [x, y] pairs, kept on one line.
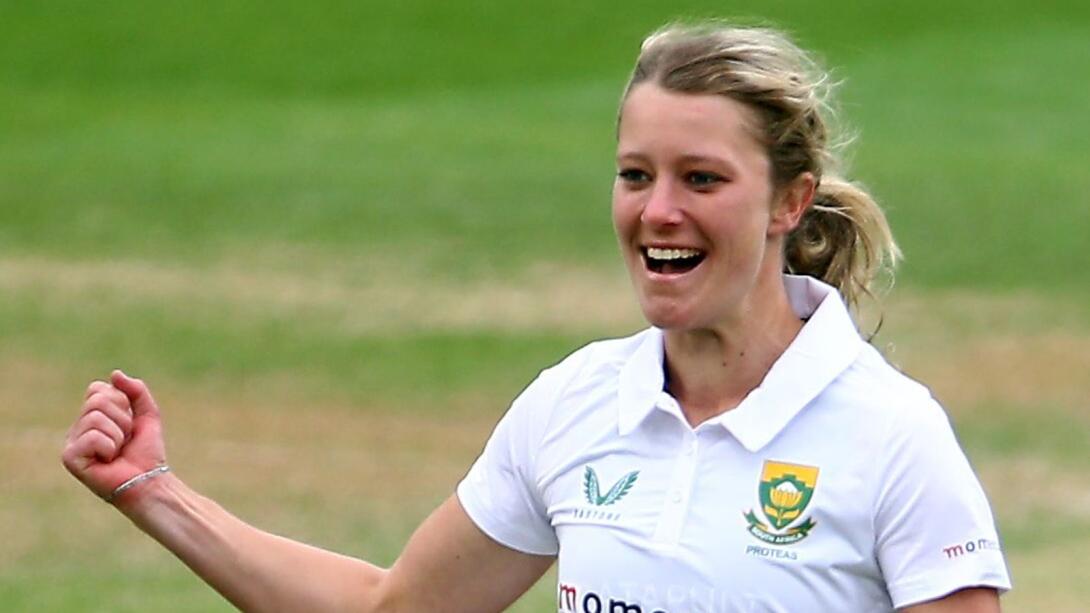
{"points": [[137, 480]]}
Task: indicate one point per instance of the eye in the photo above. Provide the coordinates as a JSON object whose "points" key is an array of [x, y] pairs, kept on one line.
{"points": [[702, 179], [633, 175]]}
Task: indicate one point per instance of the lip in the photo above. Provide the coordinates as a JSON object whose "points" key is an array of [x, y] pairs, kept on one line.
{"points": [[664, 278], [643, 247], [673, 277]]}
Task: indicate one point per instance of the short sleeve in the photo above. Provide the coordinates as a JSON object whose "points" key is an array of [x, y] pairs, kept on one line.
{"points": [[500, 492], [934, 529]]}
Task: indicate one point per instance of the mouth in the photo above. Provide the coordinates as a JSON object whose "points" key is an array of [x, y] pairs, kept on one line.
{"points": [[670, 261]]}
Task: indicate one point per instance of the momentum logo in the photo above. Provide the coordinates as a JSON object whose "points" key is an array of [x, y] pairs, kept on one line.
{"points": [[571, 601], [956, 551]]}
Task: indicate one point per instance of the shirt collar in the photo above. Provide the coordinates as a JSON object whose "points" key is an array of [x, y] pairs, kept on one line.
{"points": [[641, 381], [827, 344]]}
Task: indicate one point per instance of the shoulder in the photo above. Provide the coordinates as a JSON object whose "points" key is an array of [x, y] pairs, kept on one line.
{"points": [[610, 354], [883, 413], [873, 374], [595, 364], [910, 439], [583, 379], [885, 392]]}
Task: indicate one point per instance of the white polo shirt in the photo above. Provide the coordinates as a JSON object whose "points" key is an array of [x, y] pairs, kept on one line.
{"points": [[836, 485]]}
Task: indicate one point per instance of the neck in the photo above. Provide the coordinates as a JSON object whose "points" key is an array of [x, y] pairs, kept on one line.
{"points": [[710, 371]]}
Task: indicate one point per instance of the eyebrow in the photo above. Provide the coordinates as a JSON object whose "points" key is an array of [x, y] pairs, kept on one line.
{"points": [[630, 155], [694, 158], [689, 158]]}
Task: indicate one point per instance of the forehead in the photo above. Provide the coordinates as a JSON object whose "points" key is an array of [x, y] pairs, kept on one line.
{"points": [[654, 119]]}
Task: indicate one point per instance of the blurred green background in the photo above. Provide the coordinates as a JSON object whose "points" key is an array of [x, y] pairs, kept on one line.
{"points": [[338, 237]]}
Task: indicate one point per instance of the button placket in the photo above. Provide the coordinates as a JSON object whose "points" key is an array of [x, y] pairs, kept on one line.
{"points": [[676, 504]]}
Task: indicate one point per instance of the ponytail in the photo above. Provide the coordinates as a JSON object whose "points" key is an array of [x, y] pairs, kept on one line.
{"points": [[843, 239]]}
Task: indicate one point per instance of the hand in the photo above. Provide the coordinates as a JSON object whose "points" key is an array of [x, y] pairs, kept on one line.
{"points": [[117, 436]]}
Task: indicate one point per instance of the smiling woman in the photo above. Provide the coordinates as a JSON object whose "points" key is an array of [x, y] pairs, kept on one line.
{"points": [[774, 134], [755, 452], [692, 206]]}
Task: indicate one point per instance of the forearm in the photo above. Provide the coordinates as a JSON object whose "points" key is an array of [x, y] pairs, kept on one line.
{"points": [[448, 565], [255, 570]]}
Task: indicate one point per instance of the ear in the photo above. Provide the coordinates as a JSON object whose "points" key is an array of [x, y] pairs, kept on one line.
{"points": [[791, 202]]}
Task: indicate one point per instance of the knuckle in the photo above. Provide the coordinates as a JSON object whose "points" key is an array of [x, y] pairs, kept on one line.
{"points": [[99, 440], [94, 416], [113, 430], [100, 391], [96, 386], [85, 442], [99, 421], [116, 395], [90, 404], [99, 410], [124, 420], [71, 455], [94, 401], [105, 403]]}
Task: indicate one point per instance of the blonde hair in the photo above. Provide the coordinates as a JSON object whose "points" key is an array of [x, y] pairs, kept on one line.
{"points": [[843, 238]]}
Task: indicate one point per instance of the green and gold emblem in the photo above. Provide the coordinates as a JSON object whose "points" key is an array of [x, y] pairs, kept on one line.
{"points": [[784, 492]]}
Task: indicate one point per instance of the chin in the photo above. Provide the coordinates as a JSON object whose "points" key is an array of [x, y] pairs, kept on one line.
{"points": [[669, 317]]}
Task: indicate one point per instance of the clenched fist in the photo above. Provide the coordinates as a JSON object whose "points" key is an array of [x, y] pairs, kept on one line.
{"points": [[117, 436]]}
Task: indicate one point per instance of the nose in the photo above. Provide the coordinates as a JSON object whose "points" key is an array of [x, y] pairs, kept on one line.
{"points": [[661, 207]]}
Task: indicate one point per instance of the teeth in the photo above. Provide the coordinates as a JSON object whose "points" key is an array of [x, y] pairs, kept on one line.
{"points": [[655, 253]]}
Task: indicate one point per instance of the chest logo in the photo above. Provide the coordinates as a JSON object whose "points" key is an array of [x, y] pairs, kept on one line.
{"points": [[784, 491], [593, 492]]}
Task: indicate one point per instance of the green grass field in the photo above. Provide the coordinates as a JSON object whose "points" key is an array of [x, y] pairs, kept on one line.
{"points": [[338, 238]]}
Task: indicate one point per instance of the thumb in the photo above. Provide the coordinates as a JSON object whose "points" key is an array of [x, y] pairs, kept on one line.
{"points": [[139, 395]]}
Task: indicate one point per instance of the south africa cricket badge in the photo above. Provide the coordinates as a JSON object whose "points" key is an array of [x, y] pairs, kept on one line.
{"points": [[784, 492]]}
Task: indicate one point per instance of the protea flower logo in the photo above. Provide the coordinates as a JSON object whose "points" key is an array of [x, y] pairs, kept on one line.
{"points": [[615, 493], [784, 491]]}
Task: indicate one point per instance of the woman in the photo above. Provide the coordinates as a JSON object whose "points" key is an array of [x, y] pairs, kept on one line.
{"points": [[749, 452]]}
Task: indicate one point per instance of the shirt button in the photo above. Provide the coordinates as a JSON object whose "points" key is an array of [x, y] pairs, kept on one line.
{"points": [[690, 449], [676, 497]]}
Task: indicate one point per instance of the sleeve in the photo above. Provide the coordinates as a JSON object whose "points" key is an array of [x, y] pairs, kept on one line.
{"points": [[934, 529], [500, 492]]}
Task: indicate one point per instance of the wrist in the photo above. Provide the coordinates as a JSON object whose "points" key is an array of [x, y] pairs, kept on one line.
{"points": [[143, 496], [136, 481]]}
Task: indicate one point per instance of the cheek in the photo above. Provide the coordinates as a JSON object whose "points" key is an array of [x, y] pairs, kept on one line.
{"points": [[751, 220], [624, 215]]}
